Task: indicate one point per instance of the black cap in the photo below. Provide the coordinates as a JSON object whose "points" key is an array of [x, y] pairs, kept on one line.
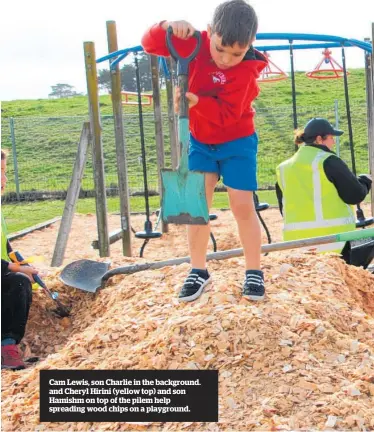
{"points": [[319, 127]]}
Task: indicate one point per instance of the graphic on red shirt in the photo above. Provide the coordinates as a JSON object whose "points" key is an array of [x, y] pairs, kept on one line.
{"points": [[219, 77]]}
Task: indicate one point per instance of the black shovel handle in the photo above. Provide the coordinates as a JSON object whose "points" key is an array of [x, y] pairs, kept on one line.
{"points": [[182, 68], [182, 62], [61, 309]]}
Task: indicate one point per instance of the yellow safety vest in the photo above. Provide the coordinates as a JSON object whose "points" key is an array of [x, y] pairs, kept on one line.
{"points": [[311, 204], [4, 250]]}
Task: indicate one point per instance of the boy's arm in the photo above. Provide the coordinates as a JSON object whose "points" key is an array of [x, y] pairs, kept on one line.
{"points": [[154, 42], [227, 109]]}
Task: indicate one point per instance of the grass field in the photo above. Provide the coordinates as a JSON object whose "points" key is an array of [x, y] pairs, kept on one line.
{"points": [[47, 132], [23, 215]]}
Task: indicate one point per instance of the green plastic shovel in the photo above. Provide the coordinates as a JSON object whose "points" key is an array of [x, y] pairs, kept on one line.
{"points": [[183, 191]]}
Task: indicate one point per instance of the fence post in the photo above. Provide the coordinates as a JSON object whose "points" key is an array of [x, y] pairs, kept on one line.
{"points": [[14, 151], [123, 188], [97, 148], [336, 109], [369, 73], [158, 126]]}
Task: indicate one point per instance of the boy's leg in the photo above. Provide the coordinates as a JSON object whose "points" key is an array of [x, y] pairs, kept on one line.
{"points": [[239, 167], [198, 237], [201, 158], [243, 208]]}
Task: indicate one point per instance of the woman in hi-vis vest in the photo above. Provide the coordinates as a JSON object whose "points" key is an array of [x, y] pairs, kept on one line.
{"points": [[316, 190], [16, 295]]}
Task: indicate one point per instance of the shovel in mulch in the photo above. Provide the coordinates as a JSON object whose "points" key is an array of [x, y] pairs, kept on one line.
{"points": [[183, 191], [84, 274], [91, 275], [61, 310]]}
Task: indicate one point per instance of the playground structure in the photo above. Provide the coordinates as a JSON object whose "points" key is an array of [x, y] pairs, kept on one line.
{"points": [[301, 360], [332, 70], [114, 57], [128, 94], [271, 72]]}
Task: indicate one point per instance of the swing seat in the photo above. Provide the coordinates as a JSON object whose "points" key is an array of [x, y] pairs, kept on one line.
{"points": [[359, 253], [362, 223], [260, 206], [148, 234]]}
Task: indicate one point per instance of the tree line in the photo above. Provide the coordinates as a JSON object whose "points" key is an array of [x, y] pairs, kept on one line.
{"points": [[128, 79], [128, 76]]}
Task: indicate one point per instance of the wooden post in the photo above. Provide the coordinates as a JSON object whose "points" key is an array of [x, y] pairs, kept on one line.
{"points": [[158, 126], [123, 188], [72, 197], [15, 162], [97, 148], [171, 116], [369, 72]]}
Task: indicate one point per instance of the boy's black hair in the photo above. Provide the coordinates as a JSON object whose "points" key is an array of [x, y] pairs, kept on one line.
{"points": [[235, 21]]}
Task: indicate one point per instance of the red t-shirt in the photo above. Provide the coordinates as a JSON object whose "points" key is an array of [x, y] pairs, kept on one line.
{"points": [[224, 111]]}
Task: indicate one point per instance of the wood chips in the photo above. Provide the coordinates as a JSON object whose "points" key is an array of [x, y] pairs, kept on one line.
{"points": [[301, 359]]}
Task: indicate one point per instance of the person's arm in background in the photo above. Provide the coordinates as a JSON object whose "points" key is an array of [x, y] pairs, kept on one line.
{"points": [[8, 266], [5, 264], [279, 193], [351, 189]]}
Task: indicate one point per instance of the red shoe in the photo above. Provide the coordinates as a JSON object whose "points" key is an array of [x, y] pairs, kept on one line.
{"points": [[11, 358]]}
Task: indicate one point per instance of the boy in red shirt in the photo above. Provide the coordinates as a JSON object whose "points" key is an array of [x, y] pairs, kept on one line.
{"points": [[223, 142]]}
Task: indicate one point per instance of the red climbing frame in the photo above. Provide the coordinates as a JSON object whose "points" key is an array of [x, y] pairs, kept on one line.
{"points": [[271, 72], [332, 72]]}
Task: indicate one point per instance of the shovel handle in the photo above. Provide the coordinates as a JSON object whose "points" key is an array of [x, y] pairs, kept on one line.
{"points": [[62, 309], [182, 62], [19, 258]]}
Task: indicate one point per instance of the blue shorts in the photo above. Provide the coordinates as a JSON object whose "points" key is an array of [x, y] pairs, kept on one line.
{"points": [[235, 161]]}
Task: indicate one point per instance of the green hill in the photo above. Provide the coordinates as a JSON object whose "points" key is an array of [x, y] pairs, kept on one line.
{"points": [[47, 132]]}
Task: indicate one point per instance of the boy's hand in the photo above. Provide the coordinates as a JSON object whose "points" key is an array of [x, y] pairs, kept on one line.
{"points": [[181, 29], [191, 97]]}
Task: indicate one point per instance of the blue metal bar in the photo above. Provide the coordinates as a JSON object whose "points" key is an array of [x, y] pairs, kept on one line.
{"points": [[366, 46], [314, 37], [330, 42], [300, 46], [117, 60], [162, 63], [126, 51], [299, 36]]}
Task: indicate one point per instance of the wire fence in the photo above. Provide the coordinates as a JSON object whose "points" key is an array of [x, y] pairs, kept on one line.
{"points": [[43, 149]]}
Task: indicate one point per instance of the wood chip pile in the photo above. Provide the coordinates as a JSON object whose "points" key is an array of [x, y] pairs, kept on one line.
{"points": [[301, 359]]}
